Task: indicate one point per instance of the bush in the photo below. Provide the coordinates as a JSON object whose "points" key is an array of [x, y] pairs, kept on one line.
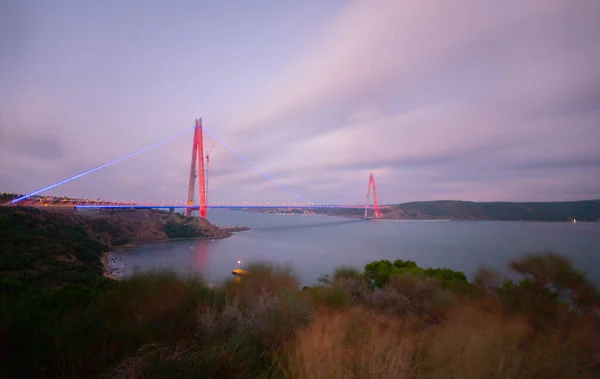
{"points": [[551, 272], [331, 297], [380, 272], [389, 300], [231, 340], [356, 290], [346, 273], [181, 230]]}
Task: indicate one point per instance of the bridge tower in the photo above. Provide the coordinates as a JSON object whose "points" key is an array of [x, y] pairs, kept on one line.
{"points": [[375, 207], [197, 159]]}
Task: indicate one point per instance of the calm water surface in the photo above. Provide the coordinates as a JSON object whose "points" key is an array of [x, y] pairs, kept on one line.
{"points": [[316, 245]]}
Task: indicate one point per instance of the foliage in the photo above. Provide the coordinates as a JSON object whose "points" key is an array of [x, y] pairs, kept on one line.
{"points": [[175, 229], [346, 273], [587, 210], [380, 272], [40, 252]]}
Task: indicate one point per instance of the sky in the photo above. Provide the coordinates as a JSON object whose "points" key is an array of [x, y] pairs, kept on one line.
{"points": [[478, 100]]}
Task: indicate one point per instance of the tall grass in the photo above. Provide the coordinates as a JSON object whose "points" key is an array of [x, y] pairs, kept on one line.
{"points": [[353, 344], [352, 326], [83, 340], [242, 336]]}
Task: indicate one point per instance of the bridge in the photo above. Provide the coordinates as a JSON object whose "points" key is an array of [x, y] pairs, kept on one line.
{"points": [[198, 177]]}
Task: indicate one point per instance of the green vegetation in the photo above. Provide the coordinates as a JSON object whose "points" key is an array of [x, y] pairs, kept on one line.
{"points": [[46, 251], [60, 318], [175, 229], [588, 210], [162, 325], [379, 273]]}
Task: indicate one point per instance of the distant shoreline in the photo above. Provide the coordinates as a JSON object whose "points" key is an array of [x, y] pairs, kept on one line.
{"points": [[456, 210]]}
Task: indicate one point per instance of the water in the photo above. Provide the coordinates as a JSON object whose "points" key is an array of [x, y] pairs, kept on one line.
{"points": [[315, 245]]}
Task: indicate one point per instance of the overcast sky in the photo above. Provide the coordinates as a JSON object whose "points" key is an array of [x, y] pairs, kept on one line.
{"points": [[463, 99]]}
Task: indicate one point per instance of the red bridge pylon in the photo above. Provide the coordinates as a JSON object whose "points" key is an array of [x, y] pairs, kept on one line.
{"points": [[375, 207], [197, 158]]}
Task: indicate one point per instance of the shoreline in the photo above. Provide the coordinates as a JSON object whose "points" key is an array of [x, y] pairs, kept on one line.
{"points": [[107, 270]]}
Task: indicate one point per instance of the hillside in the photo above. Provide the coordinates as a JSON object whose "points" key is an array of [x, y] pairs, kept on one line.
{"points": [[588, 210], [63, 246]]}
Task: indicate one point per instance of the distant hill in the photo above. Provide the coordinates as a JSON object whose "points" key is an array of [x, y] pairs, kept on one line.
{"points": [[587, 210]]}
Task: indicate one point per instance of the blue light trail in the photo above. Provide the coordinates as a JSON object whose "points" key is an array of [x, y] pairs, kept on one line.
{"points": [[281, 186], [102, 166]]}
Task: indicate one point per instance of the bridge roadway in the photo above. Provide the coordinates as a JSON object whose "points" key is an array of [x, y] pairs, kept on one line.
{"points": [[195, 207], [221, 206]]}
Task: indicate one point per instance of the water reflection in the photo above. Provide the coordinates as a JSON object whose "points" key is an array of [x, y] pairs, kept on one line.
{"points": [[201, 257], [317, 245]]}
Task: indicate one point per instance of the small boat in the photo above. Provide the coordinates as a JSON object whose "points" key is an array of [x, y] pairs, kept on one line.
{"points": [[238, 271]]}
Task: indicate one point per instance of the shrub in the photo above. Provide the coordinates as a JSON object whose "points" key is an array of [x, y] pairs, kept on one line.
{"points": [[356, 290], [181, 230], [408, 264], [552, 271], [379, 272], [232, 340], [331, 297], [389, 300], [416, 288], [262, 278], [487, 281], [346, 273]]}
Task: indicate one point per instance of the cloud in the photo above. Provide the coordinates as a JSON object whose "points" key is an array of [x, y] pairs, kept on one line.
{"points": [[41, 145], [469, 86], [469, 99]]}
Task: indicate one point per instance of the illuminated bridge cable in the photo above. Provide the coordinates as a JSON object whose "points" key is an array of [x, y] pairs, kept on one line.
{"points": [[256, 169], [102, 166]]}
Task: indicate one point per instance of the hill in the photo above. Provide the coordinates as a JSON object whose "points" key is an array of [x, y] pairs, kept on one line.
{"points": [[587, 210], [51, 248]]}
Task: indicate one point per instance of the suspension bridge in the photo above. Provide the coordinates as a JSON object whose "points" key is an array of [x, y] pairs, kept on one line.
{"points": [[198, 183]]}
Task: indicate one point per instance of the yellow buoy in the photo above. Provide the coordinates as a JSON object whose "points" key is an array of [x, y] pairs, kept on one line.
{"points": [[239, 271]]}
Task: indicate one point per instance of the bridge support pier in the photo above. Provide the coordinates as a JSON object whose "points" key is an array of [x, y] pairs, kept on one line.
{"points": [[197, 158], [376, 213]]}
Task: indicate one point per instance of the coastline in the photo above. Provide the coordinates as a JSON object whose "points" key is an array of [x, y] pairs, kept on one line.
{"points": [[107, 271]]}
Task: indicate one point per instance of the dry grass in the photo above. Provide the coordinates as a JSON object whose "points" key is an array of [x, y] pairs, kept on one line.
{"points": [[353, 344], [473, 342], [264, 279]]}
